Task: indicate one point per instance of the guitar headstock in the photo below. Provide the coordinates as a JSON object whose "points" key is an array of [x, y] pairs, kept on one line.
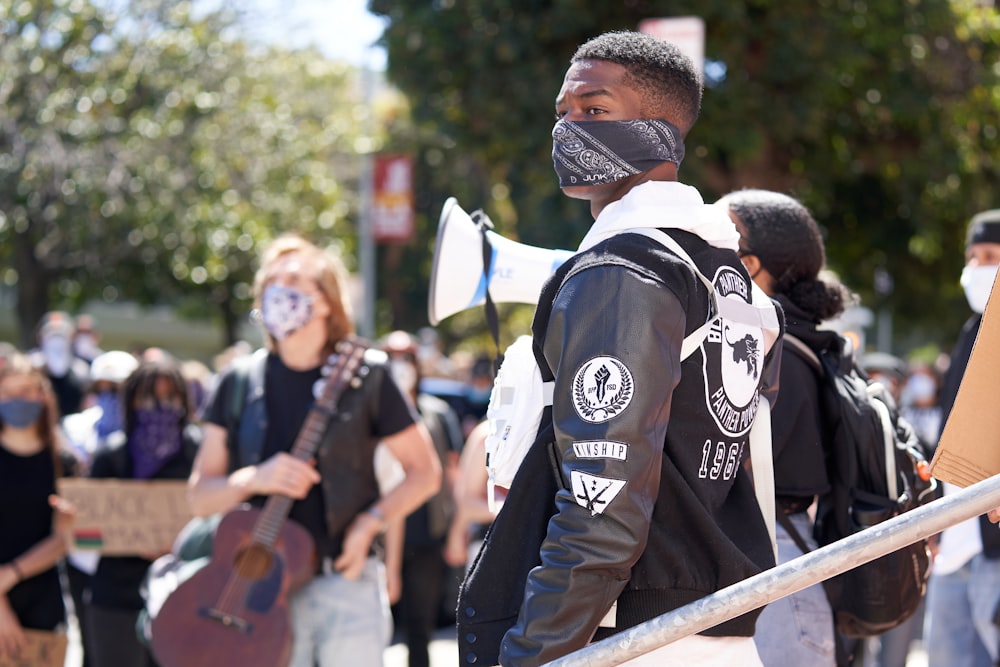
{"points": [[342, 369]]}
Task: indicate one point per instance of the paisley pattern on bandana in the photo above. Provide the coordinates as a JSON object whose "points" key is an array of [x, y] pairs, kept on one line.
{"points": [[604, 151], [284, 310], [155, 439]]}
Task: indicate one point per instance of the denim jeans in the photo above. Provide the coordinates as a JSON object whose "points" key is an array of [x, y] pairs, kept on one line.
{"points": [[958, 624], [341, 622], [797, 629]]}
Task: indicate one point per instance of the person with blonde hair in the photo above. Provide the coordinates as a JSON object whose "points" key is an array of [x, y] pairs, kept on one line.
{"points": [[341, 616]]}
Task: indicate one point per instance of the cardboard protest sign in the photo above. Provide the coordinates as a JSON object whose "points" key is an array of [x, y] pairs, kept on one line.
{"points": [[969, 450], [122, 517], [43, 649]]}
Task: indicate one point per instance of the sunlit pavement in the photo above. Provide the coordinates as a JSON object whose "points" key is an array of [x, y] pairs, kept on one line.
{"points": [[444, 651]]}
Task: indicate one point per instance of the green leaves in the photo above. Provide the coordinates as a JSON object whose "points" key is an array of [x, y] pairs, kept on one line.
{"points": [[880, 116], [145, 155]]}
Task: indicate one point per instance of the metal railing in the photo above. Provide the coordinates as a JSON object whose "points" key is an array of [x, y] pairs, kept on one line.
{"points": [[790, 577]]}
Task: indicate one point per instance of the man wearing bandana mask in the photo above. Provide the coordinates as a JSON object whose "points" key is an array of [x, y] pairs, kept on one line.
{"points": [[964, 586], [646, 518], [341, 616]]}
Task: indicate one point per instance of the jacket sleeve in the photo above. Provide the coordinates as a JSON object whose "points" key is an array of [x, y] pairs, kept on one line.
{"points": [[613, 342]]}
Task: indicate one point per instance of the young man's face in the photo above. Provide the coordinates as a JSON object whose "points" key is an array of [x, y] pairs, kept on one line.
{"points": [[597, 90]]}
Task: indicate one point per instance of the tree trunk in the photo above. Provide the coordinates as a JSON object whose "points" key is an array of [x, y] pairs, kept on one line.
{"points": [[33, 283]]}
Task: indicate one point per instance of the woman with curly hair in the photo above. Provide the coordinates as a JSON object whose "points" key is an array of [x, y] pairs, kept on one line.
{"points": [[782, 248], [159, 441]]}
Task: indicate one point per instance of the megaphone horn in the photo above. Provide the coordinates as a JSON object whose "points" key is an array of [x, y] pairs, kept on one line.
{"points": [[517, 270]]}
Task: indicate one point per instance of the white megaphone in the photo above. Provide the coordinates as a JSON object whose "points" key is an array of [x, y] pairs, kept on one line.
{"points": [[517, 271]]}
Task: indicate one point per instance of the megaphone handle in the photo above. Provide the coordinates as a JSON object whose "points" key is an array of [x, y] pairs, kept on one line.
{"points": [[492, 318]]}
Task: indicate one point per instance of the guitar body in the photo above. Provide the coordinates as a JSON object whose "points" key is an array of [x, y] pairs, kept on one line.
{"points": [[234, 611]]}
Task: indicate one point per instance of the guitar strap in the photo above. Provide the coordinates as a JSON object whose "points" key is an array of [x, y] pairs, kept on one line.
{"points": [[244, 442]]}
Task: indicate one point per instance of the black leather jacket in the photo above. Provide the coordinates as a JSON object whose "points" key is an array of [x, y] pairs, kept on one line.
{"points": [[653, 505]]}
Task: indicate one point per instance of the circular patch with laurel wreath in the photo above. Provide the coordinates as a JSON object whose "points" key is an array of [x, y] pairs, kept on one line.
{"points": [[602, 389]]}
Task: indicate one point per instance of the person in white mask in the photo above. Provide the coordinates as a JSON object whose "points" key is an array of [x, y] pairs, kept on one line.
{"points": [[54, 355], [964, 587]]}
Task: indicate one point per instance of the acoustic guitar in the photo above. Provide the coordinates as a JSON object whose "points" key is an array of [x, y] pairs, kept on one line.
{"points": [[234, 611]]}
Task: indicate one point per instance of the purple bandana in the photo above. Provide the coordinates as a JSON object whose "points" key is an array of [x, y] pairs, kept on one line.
{"points": [[155, 439], [596, 152]]}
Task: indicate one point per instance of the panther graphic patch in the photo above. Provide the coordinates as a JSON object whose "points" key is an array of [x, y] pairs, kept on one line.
{"points": [[602, 389], [733, 356]]}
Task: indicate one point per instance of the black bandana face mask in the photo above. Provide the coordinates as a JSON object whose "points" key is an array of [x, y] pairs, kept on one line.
{"points": [[596, 152]]}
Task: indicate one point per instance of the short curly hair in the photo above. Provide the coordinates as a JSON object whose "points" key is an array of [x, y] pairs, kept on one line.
{"points": [[669, 82], [785, 237]]}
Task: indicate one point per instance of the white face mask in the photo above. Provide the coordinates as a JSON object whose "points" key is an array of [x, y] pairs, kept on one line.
{"points": [[58, 355], [85, 346], [919, 389], [977, 281]]}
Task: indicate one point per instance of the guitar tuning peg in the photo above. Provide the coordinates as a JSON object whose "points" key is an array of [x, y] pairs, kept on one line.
{"points": [[318, 387], [363, 371], [325, 371], [356, 382]]}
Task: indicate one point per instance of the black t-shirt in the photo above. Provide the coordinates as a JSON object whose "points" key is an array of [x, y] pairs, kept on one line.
{"points": [[286, 412], [25, 520], [288, 397]]}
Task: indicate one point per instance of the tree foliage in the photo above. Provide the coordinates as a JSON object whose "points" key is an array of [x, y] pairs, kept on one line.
{"points": [[146, 152], [881, 116]]}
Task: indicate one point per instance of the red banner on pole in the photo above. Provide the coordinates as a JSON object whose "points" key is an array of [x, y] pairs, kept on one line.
{"points": [[392, 202]]}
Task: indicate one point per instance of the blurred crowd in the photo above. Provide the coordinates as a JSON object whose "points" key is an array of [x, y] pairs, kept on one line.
{"points": [[104, 402], [136, 414]]}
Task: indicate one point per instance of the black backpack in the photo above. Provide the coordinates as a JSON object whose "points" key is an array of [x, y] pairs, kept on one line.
{"points": [[863, 436]]}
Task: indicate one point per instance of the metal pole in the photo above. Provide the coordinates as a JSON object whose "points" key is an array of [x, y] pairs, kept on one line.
{"points": [[790, 577], [366, 233]]}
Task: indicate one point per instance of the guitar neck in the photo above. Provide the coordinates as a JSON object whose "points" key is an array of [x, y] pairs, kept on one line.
{"points": [[307, 443], [277, 507]]}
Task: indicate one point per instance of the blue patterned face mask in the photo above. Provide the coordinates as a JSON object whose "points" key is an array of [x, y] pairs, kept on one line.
{"points": [[285, 310], [20, 413], [596, 152]]}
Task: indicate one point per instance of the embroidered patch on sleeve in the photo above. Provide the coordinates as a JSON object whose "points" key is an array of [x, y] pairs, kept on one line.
{"points": [[602, 389], [600, 449], [594, 493]]}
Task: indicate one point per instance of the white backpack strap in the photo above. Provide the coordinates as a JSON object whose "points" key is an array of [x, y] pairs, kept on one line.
{"points": [[763, 468], [693, 341], [759, 314], [673, 246], [888, 438]]}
